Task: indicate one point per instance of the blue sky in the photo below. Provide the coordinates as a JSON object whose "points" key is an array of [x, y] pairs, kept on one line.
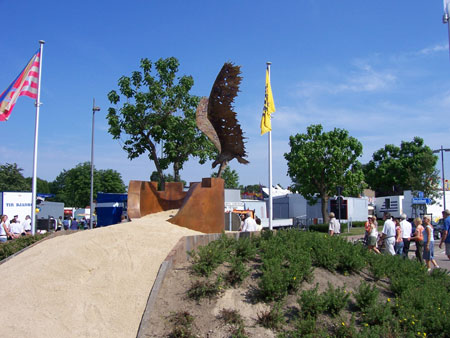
{"points": [[379, 69]]}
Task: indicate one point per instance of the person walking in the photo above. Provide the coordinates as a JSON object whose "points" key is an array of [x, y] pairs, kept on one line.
{"points": [[388, 234], [4, 229], [334, 228], [446, 234], [418, 238], [373, 238], [428, 244], [398, 246], [367, 228], [249, 223], [406, 234]]}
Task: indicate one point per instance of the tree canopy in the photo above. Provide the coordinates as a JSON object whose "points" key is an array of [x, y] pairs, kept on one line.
{"points": [[73, 186], [231, 178], [158, 110], [393, 169], [11, 178], [320, 161]]}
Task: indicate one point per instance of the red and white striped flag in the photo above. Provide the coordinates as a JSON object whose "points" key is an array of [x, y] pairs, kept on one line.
{"points": [[26, 84]]}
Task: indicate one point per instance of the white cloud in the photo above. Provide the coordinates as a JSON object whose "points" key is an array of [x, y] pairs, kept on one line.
{"points": [[363, 78], [433, 49]]}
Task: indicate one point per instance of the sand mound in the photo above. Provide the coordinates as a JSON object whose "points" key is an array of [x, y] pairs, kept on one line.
{"points": [[87, 284]]}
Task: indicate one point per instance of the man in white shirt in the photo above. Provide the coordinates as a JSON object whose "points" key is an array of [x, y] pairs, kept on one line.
{"points": [[334, 227], [27, 225], [249, 223], [16, 228], [388, 234], [406, 234]]}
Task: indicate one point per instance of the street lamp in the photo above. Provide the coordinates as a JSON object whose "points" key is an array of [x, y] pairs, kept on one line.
{"points": [[91, 220], [443, 175]]}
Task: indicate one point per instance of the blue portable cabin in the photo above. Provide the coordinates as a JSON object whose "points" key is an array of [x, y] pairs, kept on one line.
{"points": [[110, 208]]}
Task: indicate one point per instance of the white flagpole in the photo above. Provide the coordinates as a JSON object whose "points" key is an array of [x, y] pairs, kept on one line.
{"points": [[270, 168], [36, 132], [445, 18]]}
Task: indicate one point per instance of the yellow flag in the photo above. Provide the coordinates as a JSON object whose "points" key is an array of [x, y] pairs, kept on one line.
{"points": [[269, 107]]}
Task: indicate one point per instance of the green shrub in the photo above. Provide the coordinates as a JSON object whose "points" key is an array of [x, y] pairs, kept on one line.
{"points": [[204, 289], [350, 258], [245, 249], [207, 258], [311, 303], [274, 283], [324, 255], [366, 295], [335, 299], [377, 314], [9, 248], [273, 318], [319, 227], [231, 317], [182, 325], [345, 330], [306, 326], [237, 273]]}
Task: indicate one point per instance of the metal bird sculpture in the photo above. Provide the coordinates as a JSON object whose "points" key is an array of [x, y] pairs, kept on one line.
{"points": [[215, 117]]}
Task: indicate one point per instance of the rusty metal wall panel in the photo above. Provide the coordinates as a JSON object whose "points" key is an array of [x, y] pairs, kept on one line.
{"points": [[144, 198], [203, 207]]}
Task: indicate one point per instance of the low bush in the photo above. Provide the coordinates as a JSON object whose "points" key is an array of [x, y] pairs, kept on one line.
{"points": [[231, 317], [335, 299], [182, 325], [204, 289], [237, 273], [311, 303], [319, 227], [9, 248], [366, 295], [273, 318]]}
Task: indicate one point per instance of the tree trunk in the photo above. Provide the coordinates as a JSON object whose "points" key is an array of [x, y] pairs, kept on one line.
{"points": [[176, 172], [155, 159], [324, 199]]}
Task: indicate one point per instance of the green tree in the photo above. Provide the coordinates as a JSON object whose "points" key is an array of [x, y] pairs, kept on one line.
{"points": [[154, 177], [42, 186], [11, 178], [412, 166], [250, 188], [73, 186], [320, 161], [158, 110], [230, 177]]}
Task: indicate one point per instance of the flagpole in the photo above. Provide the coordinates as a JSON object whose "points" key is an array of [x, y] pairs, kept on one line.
{"points": [[445, 19], [270, 168], [36, 132]]}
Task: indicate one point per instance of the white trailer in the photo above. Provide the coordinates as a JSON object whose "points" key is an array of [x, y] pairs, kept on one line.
{"points": [[15, 203], [391, 204]]}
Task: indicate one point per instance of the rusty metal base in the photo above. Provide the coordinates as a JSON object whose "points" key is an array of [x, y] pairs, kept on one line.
{"points": [[144, 198], [200, 209], [203, 207]]}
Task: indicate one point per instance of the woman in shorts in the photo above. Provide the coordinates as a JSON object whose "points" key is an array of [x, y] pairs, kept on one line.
{"points": [[428, 244], [418, 238], [372, 239]]}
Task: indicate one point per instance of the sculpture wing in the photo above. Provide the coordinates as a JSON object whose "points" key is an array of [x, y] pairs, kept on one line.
{"points": [[204, 124], [222, 116]]}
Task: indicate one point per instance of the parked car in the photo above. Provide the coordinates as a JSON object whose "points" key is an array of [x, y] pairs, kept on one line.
{"points": [[438, 228]]}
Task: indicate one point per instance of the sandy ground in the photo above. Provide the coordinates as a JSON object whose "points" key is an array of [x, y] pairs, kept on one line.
{"points": [[88, 284]]}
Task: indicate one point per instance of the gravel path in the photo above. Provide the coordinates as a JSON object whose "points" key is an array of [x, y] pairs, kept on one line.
{"points": [[88, 284]]}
